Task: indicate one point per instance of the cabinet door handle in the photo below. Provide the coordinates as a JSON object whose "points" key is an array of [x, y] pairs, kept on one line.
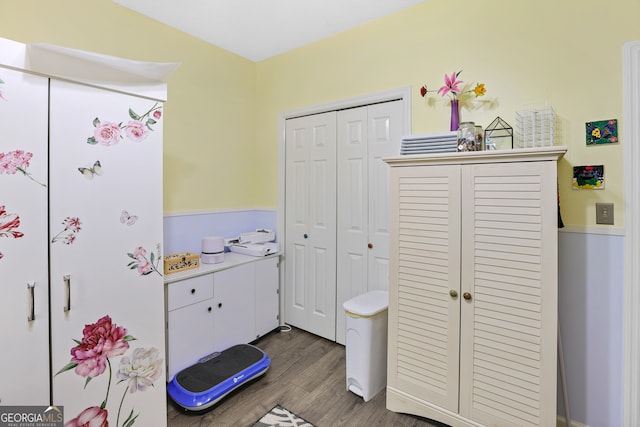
{"points": [[305, 235], [453, 293], [466, 296], [31, 314], [219, 305], [209, 309], [67, 291], [370, 245], [193, 291]]}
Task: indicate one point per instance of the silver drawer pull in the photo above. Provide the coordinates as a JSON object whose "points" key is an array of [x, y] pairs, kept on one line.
{"points": [[31, 313], [67, 292]]}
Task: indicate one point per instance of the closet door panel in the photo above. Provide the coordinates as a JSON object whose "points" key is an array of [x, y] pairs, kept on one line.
{"points": [[24, 361], [310, 211], [105, 236], [352, 198], [386, 129]]}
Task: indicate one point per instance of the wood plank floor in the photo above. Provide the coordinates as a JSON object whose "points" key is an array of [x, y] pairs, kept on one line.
{"points": [[306, 376]]}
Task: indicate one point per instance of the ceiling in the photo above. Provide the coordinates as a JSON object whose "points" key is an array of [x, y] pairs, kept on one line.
{"points": [[260, 29]]}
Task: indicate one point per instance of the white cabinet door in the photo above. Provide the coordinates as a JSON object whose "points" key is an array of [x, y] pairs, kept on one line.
{"points": [[364, 136], [310, 211], [189, 322], [509, 268], [107, 297], [424, 317], [234, 306], [267, 297], [190, 336], [24, 316]]}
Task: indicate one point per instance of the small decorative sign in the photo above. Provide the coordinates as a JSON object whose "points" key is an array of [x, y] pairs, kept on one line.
{"points": [[602, 132], [588, 177]]}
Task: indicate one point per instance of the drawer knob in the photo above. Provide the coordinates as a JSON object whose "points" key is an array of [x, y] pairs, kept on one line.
{"points": [[453, 293], [219, 305], [209, 309], [370, 245], [466, 296], [193, 291]]}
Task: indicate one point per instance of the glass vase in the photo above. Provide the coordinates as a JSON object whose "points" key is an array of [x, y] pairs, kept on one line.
{"points": [[455, 115]]}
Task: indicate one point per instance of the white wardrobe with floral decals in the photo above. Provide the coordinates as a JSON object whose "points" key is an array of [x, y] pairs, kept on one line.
{"points": [[81, 286]]}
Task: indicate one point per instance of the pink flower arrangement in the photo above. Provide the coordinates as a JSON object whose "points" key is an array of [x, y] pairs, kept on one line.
{"points": [[452, 87], [137, 129]]}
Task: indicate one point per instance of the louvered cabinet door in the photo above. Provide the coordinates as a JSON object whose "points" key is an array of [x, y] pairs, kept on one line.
{"points": [[509, 269], [424, 309]]}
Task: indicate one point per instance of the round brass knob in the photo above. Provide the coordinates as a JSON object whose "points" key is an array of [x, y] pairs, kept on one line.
{"points": [[466, 296], [453, 293]]}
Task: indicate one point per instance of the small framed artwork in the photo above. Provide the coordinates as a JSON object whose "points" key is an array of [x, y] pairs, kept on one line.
{"points": [[588, 177], [602, 132]]}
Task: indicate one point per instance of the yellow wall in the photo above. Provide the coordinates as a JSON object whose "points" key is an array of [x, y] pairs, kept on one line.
{"points": [[210, 115], [222, 115]]}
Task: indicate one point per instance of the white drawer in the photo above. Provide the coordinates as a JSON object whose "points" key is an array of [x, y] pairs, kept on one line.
{"points": [[189, 291]]}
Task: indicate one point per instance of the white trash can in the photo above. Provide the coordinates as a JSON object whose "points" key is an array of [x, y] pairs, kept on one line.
{"points": [[366, 343]]}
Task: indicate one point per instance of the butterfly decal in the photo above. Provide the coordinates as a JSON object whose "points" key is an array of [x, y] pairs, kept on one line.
{"points": [[90, 172], [125, 218]]}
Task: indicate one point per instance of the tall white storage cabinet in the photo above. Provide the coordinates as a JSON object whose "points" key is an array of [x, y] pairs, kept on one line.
{"points": [[337, 211], [473, 287], [83, 191]]}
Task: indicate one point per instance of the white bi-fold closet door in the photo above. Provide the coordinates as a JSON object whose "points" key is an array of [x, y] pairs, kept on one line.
{"points": [[336, 211]]}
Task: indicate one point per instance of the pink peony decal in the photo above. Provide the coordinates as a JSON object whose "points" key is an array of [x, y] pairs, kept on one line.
{"points": [[100, 341], [137, 129]]}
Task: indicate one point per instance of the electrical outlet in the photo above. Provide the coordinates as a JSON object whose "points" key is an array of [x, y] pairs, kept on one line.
{"points": [[604, 213]]}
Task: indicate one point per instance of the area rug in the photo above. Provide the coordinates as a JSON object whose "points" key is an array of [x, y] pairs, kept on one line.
{"points": [[279, 416]]}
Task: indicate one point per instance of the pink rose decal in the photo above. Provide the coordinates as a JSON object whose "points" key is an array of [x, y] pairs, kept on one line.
{"points": [[93, 416], [100, 341], [136, 131], [106, 133]]}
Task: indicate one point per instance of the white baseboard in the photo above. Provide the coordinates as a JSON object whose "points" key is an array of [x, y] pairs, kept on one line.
{"points": [[562, 422]]}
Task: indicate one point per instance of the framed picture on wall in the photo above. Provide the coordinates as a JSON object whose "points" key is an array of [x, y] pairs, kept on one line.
{"points": [[589, 177], [601, 132]]}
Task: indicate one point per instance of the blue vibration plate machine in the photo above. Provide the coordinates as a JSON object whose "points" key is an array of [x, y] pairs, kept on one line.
{"points": [[204, 384]]}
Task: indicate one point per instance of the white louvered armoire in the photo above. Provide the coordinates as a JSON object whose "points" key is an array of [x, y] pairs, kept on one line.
{"points": [[473, 287]]}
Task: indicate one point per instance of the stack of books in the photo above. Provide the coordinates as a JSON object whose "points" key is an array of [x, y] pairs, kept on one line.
{"points": [[446, 142]]}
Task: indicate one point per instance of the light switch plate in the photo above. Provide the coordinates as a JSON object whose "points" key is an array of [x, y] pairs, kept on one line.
{"points": [[604, 213]]}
